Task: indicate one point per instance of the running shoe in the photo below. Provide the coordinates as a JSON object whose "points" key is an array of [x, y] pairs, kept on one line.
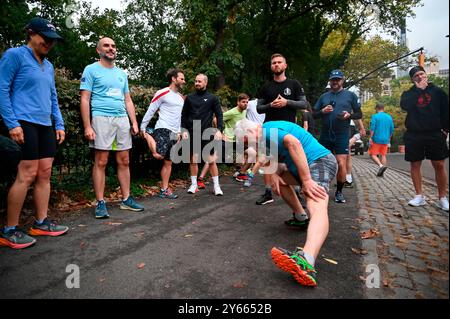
{"points": [[167, 193], [443, 203], [248, 182], [16, 239], [47, 228], [218, 191], [348, 184], [193, 189], [241, 177], [381, 171], [417, 201], [339, 197], [201, 184], [266, 198], [296, 264], [294, 222], [100, 211], [131, 204]]}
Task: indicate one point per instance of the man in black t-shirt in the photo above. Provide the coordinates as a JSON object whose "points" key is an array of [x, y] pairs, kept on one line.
{"points": [[279, 99]]}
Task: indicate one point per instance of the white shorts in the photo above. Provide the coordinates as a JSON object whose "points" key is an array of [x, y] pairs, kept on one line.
{"points": [[111, 133]]}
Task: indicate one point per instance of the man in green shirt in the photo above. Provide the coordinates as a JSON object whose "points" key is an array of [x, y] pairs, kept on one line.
{"points": [[231, 117]]}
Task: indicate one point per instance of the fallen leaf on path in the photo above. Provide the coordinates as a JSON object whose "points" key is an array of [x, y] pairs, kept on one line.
{"points": [[102, 279], [240, 285], [81, 225], [141, 265], [331, 261], [397, 215], [369, 234], [83, 244], [359, 251], [112, 224], [188, 235]]}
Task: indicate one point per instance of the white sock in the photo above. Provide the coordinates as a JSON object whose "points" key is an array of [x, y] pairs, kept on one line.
{"points": [[194, 180], [216, 180], [300, 216], [381, 165], [349, 178], [309, 258]]}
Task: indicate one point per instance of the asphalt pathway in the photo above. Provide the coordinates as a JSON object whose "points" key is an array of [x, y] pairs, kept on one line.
{"points": [[197, 246]]}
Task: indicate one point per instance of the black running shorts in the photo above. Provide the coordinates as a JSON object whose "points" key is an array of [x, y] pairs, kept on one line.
{"points": [[425, 145], [40, 141]]}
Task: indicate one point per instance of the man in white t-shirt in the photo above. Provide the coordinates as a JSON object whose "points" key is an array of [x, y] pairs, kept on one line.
{"points": [[167, 131]]}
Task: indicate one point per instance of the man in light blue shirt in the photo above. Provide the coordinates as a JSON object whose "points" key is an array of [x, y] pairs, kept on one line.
{"points": [[381, 129], [296, 158], [105, 96]]}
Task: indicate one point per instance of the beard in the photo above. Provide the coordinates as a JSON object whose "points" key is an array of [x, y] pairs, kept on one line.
{"points": [[104, 56], [278, 73]]}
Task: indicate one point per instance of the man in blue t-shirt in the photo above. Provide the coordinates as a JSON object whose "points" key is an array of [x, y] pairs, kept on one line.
{"points": [[381, 129], [336, 107], [105, 97], [296, 158]]}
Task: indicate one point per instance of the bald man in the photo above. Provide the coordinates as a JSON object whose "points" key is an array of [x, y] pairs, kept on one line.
{"points": [[106, 99]]}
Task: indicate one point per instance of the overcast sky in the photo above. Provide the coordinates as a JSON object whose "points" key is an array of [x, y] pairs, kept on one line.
{"points": [[428, 29]]}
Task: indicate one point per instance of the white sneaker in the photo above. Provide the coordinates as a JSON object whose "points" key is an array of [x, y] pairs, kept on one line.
{"points": [[417, 201], [443, 203], [193, 189], [236, 173], [217, 191]]}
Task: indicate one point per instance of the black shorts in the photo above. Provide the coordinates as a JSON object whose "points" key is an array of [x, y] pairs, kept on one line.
{"points": [[425, 145], [165, 139], [40, 141], [336, 143]]}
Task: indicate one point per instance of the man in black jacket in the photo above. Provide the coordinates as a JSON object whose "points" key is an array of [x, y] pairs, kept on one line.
{"points": [[427, 126], [197, 118]]}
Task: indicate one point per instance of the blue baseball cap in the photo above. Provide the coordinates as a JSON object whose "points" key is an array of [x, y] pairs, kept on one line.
{"points": [[336, 74], [43, 27]]}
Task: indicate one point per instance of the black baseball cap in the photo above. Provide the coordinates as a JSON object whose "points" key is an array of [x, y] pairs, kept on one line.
{"points": [[414, 70], [43, 27]]}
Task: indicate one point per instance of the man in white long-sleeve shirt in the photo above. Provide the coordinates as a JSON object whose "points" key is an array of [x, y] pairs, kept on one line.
{"points": [[169, 102]]}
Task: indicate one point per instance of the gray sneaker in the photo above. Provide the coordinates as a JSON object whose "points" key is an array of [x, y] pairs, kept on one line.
{"points": [[339, 197], [381, 171], [131, 204], [16, 239]]}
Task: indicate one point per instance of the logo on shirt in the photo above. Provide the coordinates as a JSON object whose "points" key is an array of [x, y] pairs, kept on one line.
{"points": [[120, 80], [114, 92], [424, 100], [287, 91], [205, 100], [83, 79]]}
